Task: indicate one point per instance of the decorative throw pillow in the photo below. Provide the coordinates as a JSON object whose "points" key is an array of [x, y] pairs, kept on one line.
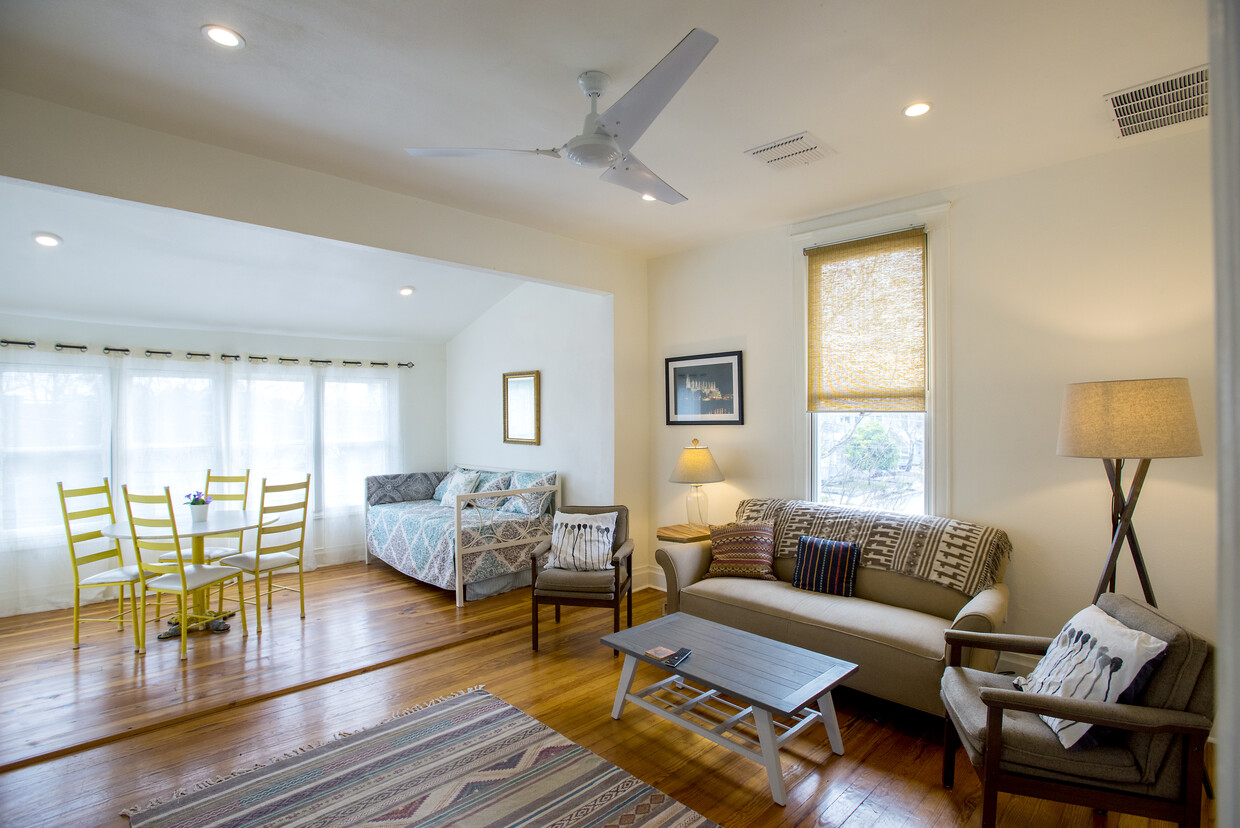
{"points": [[1093, 657], [531, 503], [582, 542], [492, 482], [826, 566], [459, 484], [444, 484], [742, 550]]}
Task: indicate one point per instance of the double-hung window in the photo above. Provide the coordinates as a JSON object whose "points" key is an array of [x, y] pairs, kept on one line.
{"points": [[868, 371]]}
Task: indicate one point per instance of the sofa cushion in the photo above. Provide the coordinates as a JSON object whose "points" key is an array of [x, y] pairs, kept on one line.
{"points": [[826, 566], [741, 550], [901, 651]]}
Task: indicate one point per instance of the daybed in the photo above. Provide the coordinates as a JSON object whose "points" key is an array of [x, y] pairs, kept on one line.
{"points": [[498, 515], [918, 577]]}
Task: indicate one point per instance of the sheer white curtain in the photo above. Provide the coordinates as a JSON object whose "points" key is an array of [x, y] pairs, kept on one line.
{"points": [[55, 425], [360, 436], [158, 422], [169, 426]]}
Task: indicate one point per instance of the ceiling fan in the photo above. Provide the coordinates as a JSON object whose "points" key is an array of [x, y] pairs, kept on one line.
{"points": [[607, 139]]}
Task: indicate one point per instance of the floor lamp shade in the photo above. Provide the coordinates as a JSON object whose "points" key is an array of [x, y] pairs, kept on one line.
{"points": [[1129, 419], [695, 467]]}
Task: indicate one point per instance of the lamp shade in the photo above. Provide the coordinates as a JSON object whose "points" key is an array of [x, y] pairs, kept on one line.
{"points": [[696, 466], [1129, 419]]}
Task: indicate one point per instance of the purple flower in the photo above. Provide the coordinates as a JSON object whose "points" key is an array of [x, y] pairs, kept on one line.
{"points": [[198, 499]]}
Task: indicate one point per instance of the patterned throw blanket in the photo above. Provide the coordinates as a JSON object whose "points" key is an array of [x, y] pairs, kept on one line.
{"points": [[952, 553]]}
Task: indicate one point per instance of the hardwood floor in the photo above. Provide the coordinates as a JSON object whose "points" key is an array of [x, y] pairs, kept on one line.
{"points": [[85, 734]]}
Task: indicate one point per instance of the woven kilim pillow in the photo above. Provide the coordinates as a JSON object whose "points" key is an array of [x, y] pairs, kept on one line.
{"points": [[826, 566], [742, 550]]}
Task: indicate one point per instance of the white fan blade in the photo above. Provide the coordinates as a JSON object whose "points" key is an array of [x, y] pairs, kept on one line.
{"points": [[630, 173], [469, 152], [627, 119]]}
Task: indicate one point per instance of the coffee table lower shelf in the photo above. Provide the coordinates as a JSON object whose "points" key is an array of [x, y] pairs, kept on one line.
{"points": [[707, 713]]}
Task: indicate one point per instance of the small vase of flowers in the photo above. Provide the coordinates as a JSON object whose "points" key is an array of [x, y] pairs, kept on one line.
{"points": [[198, 503]]}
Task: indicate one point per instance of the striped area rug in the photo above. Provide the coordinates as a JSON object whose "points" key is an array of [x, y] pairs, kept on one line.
{"points": [[470, 760]]}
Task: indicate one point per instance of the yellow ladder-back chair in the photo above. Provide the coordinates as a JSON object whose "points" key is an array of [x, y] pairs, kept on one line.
{"points": [[91, 510], [281, 544], [227, 489], [155, 533]]}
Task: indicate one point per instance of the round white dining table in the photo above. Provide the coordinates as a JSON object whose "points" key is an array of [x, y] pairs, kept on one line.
{"points": [[218, 522]]}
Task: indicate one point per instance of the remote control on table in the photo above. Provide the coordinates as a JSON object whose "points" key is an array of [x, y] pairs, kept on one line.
{"points": [[677, 657]]}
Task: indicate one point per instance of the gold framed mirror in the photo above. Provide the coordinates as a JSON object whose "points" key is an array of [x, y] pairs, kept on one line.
{"points": [[521, 408]]}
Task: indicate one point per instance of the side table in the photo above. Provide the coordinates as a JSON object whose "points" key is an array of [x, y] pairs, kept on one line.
{"points": [[683, 533]]}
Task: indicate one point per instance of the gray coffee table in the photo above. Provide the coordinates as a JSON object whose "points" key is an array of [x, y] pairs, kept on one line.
{"points": [[769, 677]]}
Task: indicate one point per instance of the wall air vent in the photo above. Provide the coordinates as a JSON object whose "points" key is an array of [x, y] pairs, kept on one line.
{"points": [[793, 151], [1164, 102]]}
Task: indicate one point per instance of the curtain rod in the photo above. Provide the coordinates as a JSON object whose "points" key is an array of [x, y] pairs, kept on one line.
{"points": [[153, 353]]}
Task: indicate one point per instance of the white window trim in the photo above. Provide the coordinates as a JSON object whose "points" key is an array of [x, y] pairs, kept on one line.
{"points": [[873, 221]]}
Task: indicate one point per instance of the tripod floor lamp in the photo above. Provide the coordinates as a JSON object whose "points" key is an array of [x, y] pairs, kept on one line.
{"points": [[1128, 420]]}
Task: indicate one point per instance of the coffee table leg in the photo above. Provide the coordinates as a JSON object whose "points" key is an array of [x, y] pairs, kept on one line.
{"points": [[826, 706], [626, 684], [770, 755]]}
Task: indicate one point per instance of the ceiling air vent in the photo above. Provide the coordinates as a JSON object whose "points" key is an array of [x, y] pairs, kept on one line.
{"points": [[793, 151], [1164, 102]]}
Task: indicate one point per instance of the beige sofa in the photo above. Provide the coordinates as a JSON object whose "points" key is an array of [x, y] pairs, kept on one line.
{"points": [[892, 626]]}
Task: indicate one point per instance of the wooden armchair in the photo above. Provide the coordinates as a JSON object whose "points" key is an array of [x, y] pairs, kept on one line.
{"points": [[605, 588], [1153, 767]]}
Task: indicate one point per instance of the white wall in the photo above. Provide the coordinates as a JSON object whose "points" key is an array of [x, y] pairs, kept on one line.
{"points": [[1092, 270], [566, 335]]}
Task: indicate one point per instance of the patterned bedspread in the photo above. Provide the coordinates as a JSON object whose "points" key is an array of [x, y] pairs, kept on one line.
{"points": [[419, 539]]}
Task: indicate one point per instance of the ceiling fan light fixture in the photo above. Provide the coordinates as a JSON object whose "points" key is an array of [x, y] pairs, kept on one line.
{"points": [[592, 150], [223, 36]]}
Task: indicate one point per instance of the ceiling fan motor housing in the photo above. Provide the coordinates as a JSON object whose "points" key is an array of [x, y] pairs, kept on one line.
{"points": [[592, 149]]}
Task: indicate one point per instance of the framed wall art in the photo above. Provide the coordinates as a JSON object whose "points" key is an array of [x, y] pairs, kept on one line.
{"points": [[705, 389], [521, 418]]}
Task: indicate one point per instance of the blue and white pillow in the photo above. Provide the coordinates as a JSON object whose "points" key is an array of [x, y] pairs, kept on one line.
{"points": [[536, 504], [582, 543], [1093, 657], [491, 482], [458, 483]]}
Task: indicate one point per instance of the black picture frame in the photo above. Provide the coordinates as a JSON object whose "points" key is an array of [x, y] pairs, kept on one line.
{"points": [[705, 389]]}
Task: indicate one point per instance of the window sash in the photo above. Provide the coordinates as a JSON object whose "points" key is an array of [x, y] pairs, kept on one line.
{"points": [[867, 347]]}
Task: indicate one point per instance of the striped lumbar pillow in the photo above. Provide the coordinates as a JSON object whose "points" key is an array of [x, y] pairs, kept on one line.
{"points": [[582, 542], [826, 566], [742, 550]]}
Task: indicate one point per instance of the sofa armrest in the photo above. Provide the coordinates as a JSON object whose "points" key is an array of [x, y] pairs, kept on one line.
{"points": [[985, 612], [683, 564]]}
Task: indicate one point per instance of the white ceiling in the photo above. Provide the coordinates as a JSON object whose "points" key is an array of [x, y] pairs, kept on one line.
{"points": [[343, 87]]}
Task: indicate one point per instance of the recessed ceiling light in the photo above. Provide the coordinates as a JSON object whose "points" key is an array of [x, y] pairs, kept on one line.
{"points": [[407, 290], [913, 110], [223, 36], [648, 197], [47, 239]]}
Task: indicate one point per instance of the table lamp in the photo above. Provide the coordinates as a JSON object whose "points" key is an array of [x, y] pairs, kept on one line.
{"points": [[1128, 419], [695, 467]]}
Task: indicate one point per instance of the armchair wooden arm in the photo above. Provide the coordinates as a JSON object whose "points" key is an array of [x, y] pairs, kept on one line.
{"points": [[957, 640]]}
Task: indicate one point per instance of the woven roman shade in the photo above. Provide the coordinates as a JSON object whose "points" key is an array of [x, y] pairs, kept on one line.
{"points": [[867, 324]]}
